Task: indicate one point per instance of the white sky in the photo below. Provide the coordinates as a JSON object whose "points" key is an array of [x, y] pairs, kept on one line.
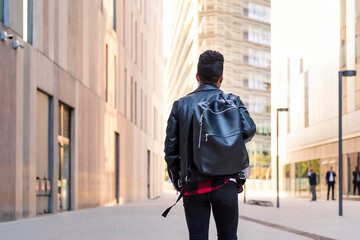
{"points": [[305, 28], [168, 14]]}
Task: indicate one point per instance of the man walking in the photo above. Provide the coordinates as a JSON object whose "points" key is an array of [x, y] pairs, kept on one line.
{"points": [[205, 193], [330, 180], [356, 180], [312, 182]]}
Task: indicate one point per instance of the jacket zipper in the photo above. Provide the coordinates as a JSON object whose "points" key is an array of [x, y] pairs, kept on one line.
{"points": [[201, 118]]}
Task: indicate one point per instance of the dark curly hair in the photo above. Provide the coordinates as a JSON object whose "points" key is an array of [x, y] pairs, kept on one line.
{"points": [[210, 67]]}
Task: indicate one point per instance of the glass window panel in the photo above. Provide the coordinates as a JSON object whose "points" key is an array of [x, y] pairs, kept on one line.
{"points": [[258, 12], [2, 11], [287, 177]]}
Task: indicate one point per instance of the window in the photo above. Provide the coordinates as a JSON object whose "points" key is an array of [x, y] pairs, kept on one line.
{"points": [[145, 58], [306, 98], [259, 81], [114, 14], [132, 100], [136, 42], [246, 59], [142, 52], [132, 32], [141, 110], [260, 160], [258, 58], [246, 35], [263, 127], [258, 12], [246, 12], [259, 104], [102, 5], [28, 21], [135, 103], [125, 93], [106, 72], [246, 83], [301, 177], [287, 177], [258, 35], [2, 11]]}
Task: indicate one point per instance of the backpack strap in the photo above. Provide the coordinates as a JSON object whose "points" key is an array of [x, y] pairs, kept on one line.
{"points": [[222, 95], [182, 193]]}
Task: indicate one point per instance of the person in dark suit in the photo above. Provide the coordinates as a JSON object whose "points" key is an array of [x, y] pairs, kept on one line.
{"points": [[356, 180], [312, 182], [330, 180]]}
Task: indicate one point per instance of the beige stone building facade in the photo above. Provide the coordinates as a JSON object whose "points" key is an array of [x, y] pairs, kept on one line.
{"points": [[81, 104]]}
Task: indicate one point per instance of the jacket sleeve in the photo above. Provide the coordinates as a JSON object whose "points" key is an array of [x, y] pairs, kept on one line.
{"points": [[172, 145], [248, 124]]}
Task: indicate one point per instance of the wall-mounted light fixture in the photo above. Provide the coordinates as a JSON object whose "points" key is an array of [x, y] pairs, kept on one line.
{"points": [[5, 35], [17, 44]]}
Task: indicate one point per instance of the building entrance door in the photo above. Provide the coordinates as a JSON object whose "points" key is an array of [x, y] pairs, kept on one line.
{"points": [[63, 196]]}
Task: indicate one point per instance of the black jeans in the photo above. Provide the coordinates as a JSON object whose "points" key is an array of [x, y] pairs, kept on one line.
{"points": [[330, 184], [357, 185], [224, 204]]}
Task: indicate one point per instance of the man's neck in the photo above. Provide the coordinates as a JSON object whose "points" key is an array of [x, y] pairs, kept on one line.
{"points": [[214, 84]]}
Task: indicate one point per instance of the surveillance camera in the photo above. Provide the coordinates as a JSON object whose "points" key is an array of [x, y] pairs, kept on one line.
{"points": [[4, 36], [17, 44]]}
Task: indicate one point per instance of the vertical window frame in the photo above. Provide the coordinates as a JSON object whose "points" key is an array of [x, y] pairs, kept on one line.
{"points": [[135, 103], [125, 92], [106, 72], [132, 100]]}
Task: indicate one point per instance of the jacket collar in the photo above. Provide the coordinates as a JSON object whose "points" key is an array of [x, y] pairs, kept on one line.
{"points": [[206, 87]]}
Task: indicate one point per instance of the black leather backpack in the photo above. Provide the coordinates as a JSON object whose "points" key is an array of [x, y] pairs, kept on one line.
{"points": [[218, 144]]}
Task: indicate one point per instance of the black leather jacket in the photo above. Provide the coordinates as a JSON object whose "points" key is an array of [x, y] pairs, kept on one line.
{"points": [[178, 142]]}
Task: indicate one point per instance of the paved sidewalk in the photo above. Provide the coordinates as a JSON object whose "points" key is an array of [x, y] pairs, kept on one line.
{"points": [[142, 220]]}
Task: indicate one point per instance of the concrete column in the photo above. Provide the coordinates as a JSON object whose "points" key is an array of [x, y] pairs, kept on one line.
{"points": [[8, 132]]}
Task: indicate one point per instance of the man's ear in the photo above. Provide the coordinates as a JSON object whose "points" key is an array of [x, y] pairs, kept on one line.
{"points": [[197, 78], [221, 79]]}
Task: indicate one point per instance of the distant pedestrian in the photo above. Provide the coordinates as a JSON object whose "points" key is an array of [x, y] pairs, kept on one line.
{"points": [[312, 182], [330, 180], [356, 180]]}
